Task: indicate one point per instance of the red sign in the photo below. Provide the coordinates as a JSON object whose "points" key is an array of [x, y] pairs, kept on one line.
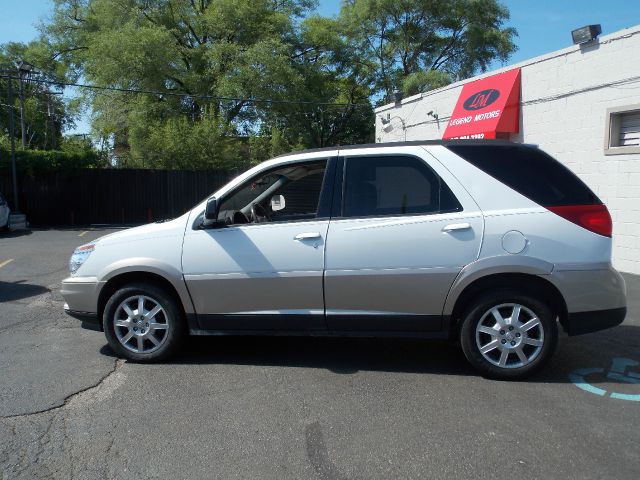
{"points": [[486, 107]]}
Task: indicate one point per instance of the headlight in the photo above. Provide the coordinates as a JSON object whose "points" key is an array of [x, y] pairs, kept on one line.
{"points": [[80, 256]]}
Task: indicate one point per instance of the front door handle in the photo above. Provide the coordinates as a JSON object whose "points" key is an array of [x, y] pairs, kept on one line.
{"points": [[455, 227], [307, 236]]}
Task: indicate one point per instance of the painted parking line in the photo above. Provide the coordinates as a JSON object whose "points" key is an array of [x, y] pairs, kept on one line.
{"points": [[6, 262], [82, 234]]}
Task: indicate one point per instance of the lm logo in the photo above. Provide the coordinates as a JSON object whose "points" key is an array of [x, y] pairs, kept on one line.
{"points": [[481, 99]]}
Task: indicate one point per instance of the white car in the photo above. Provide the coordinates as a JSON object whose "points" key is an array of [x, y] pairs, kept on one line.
{"points": [[490, 243], [4, 213]]}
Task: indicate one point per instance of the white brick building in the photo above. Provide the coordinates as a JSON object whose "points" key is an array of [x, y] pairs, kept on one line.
{"points": [[582, 105]]}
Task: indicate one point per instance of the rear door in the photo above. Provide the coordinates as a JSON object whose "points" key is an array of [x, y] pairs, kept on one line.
{"points": [[404, 230]]}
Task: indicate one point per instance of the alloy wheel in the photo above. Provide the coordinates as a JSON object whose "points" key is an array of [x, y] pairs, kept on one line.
{"points": [[141, 324], [509, 335]]}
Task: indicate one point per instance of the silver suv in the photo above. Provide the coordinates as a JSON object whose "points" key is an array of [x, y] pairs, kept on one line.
{"points": [[490, 243]]}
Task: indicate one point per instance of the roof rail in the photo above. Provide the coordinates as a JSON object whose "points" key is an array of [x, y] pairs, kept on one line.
{"points": [[412, 143]]}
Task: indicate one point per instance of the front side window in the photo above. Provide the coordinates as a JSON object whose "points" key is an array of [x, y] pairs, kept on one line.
{"points": [[286, 194], [394, 185]]}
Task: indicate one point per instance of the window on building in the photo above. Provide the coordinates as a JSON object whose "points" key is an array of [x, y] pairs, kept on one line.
{"points": [[623, 130]]}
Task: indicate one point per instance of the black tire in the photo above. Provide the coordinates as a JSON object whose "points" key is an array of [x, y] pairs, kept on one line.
{"points": [[170, 315], [481, 309]]}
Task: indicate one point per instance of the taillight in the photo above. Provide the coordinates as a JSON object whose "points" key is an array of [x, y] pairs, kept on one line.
{"points": [[594, 218]]}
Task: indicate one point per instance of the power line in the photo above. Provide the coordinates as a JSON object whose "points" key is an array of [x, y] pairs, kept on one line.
{"points": [[551, 98], [186, 95]]}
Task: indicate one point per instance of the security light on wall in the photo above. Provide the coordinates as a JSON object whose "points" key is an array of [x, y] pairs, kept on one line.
{"points": [[586, 34], [387, 125]]}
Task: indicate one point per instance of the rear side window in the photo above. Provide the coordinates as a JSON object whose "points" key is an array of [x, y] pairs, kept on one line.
{"points": [[530, 172], [394, 185]]}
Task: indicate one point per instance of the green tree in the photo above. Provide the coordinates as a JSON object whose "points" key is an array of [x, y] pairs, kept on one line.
{"points": [[189, 51], [46, 112], [335, 108], [206, 67], [399, 43]]}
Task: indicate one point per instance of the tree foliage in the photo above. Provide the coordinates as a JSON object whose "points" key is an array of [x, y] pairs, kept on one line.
{"points": [[41, 162], [46, 112], [207, 67], [399, 43]]}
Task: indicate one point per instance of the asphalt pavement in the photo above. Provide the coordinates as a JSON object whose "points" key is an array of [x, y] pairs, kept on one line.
{"points": [[295, 408]]}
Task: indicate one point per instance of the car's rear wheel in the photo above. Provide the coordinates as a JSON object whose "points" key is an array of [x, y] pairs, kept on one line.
{"points": [[142, 322], [508, 334]]}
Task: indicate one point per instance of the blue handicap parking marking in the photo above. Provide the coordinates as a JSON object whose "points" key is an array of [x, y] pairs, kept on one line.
{"points": [[618, 372]]}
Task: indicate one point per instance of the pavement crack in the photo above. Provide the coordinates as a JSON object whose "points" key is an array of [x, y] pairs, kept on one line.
{"points": [[117, 364]]}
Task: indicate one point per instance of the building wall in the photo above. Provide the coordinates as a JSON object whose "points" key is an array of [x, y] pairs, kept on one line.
{"points": [[564, 101]]}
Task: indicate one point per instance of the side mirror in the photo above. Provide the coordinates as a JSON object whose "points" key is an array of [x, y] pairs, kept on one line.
{"points": [[277, 203], [211, 211]]}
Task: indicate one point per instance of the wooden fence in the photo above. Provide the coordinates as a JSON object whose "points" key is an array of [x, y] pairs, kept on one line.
{"points": [[111, 196]]}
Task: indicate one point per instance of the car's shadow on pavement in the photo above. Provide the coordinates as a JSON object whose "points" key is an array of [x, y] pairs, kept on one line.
{"points": [[15, 233], [10, 291], [338, 355], [352, 355]]}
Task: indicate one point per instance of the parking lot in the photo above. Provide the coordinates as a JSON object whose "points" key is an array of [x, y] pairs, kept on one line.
{"points": [[295, 407]]}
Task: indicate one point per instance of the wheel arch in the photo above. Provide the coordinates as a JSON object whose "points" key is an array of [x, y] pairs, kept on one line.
{"points": [[528, 283], [118, 280]]}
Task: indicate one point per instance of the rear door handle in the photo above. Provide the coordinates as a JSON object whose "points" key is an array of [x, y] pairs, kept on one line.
{"points": [[456, 226], [307, 236]]}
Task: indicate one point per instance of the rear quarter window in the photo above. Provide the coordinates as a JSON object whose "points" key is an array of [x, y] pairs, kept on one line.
{"points": [[529, 171]]}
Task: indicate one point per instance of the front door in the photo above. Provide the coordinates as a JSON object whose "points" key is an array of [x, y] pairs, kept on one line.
{"points": [[395, 250], [263, 269]]}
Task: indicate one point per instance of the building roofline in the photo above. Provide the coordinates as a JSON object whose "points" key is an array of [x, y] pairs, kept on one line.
{"points": [[603, 39]]}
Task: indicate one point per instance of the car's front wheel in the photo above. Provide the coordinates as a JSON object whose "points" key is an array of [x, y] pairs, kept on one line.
{"points": [[143, 323], [507, 334]]}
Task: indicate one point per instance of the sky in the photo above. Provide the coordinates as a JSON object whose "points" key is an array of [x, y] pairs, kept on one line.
{"points": [[543, 26]]}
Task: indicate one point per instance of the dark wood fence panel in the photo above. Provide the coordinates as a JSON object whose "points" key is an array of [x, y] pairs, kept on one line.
{"points": [[111, 196]]}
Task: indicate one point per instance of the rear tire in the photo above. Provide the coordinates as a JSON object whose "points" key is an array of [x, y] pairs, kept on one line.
{"points": [[507, 334], [143, 323]]}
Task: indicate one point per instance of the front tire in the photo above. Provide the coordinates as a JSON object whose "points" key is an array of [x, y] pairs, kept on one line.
{"points": [[143, 323], [507, 334]]}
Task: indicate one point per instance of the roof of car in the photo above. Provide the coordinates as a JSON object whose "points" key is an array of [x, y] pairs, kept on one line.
{"points": [[412, 143]]}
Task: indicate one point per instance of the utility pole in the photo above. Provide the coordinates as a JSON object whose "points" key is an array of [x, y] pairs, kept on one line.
{"points": [[12, 136], [24, 68], [50, 126]]}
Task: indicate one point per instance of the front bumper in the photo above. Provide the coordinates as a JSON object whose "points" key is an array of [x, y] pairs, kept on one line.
{"points": [[587, 322], [81, 296]]}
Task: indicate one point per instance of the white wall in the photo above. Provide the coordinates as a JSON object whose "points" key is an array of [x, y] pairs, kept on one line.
{"points": [[564, 101]]}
